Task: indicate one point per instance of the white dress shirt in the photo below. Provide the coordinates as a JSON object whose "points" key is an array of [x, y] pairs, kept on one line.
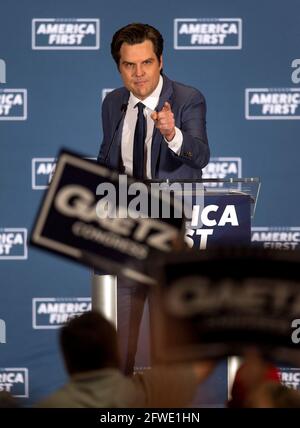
{"points": [[150, 103]]}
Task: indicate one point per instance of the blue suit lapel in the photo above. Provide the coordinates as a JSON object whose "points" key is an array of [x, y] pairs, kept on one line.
{"points": [[166, 94]]}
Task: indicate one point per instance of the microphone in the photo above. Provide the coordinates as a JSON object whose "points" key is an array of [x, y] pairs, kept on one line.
{"points": [[123, 110]]}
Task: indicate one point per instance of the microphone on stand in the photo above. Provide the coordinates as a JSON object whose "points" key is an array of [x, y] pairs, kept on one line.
{"points": [[123, 110]]}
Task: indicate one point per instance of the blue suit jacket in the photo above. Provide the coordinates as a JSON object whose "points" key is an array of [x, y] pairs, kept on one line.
{"points": [[189, 108]]}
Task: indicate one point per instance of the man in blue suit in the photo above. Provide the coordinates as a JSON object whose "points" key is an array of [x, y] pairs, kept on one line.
{"points": [[172, 120]]}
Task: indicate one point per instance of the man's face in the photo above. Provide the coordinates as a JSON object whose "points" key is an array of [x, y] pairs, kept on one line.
{"points": [[139, 68]]}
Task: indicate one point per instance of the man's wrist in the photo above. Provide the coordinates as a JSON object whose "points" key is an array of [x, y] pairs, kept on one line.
{"points": [[170, 136], [176, 143]]}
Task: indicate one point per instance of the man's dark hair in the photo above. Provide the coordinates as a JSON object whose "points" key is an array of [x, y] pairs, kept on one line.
{"points": [[133, 34], [89, 342]]}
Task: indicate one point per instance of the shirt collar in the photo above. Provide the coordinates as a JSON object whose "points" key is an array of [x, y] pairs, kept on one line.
{"points": [[152, 101]]}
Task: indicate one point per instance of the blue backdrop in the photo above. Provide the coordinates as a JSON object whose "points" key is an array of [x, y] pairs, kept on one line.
{"points": [[55, 69]]}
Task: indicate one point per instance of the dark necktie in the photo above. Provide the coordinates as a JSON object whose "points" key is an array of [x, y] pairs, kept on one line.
{"points": [[139, 143]]}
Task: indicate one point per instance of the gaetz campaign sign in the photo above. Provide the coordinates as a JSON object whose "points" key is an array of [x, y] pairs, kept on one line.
{"points": [[216, 303], [101, 218]]}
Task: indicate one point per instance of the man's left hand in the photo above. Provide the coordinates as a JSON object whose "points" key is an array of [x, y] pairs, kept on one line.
{"points": [[164, 121]]}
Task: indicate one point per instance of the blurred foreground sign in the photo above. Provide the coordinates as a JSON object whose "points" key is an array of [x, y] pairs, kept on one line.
{"points": [[100, 218], [217, 303]]}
